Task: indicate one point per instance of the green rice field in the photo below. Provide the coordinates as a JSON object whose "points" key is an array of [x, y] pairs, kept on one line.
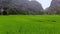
{"points": [[30, 24]]}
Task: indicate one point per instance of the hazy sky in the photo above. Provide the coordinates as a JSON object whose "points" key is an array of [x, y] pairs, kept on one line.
{"points": [[45, 3]]}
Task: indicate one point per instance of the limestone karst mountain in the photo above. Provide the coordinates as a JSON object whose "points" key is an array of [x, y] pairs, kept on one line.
{"points": [[54, 7], [28, 7], [22, 6], [55, 3], [4, 3]]}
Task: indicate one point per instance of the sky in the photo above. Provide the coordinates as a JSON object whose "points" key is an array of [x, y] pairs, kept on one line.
{"points": [[45, 3]]}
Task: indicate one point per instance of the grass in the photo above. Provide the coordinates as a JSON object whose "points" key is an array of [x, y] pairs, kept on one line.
{"points": [[24, 24]]}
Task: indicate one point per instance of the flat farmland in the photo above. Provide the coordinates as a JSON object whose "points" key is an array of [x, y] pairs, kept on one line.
{"points": [[30, 24]]}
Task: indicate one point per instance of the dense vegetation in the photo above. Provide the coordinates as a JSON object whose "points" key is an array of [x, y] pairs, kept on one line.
{"points": [[24, 24]]}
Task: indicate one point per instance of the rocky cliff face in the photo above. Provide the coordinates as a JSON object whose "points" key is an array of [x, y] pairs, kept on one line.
{"points": [[54, 7]]}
